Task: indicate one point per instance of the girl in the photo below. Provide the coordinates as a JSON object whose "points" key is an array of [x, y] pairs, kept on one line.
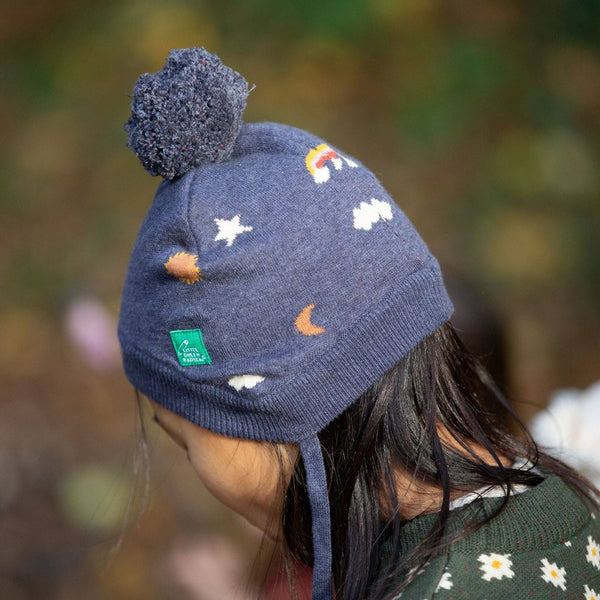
{"points": [[291, 329]]}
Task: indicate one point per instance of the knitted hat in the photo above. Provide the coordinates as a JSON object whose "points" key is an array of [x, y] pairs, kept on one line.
{"points": [[273, 279]]}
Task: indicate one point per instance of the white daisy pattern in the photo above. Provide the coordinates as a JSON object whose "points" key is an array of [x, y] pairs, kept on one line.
{"points": [[552, 573], [593, 552], [495, 566], [418, 570], [445, 582], [229, 229], [590, 594], [568, 543]]}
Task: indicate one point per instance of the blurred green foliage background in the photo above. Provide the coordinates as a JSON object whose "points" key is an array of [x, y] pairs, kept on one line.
{"points": [[481, 117]]}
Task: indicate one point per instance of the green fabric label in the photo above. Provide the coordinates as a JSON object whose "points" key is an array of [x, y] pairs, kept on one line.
{"points": [[190, 348]]}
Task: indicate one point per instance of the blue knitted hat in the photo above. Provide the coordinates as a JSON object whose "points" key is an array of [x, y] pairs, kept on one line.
{"points": [[273, 279]]}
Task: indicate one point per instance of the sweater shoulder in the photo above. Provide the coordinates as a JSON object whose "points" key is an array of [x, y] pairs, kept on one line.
{"points": [[545, 541]]}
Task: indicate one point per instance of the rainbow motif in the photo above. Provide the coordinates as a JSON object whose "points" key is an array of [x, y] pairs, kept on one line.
{"points": [[317, 157]]}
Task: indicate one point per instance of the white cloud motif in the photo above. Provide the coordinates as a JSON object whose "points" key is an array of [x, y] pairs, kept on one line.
{"points": [[229, 229], [495, 566], [445, 582], [593, 552], [552, 573], [366, 215], [240, 382]]}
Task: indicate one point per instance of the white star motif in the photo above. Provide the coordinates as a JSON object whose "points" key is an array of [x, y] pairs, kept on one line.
{"points": [[229, 229]]}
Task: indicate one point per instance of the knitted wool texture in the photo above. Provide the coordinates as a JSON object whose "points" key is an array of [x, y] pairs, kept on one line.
{"points": [[544, 544], [269, 243], [266, 292], [187, 114]]}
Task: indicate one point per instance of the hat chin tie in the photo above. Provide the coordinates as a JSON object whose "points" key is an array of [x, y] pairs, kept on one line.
{"points": [[316, 484]]}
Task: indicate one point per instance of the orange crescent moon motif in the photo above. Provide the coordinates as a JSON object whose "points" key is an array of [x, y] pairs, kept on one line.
{"points": [[303, 324]]}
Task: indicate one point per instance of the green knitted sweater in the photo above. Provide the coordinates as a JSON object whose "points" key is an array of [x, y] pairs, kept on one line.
{"points": [[544, 545]]}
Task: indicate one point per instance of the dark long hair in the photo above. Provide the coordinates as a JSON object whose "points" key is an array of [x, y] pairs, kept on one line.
{"points": [[395, 426]]}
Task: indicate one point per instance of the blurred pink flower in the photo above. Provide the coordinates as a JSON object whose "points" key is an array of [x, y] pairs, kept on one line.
{"points": [[209, 569], [93, 332], [277, 587]]}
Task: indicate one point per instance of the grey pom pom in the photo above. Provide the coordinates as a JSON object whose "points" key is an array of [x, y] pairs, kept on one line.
{"points": [[188, 114]]}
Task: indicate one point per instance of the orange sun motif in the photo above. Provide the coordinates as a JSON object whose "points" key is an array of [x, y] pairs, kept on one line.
{"points": [[183, 266]]}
